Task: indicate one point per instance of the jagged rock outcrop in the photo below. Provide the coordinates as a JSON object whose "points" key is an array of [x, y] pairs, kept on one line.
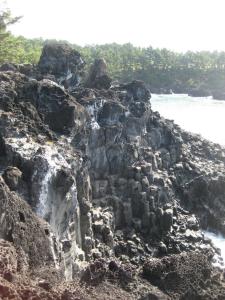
{"points": [[62, 63], [98, 77], [113, 180], [19, 225]]}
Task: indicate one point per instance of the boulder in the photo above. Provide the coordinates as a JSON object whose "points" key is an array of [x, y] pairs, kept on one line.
{"points": [[64, 62], [199, 92], [219, 95], [137, 91], [27, 69], [12, 177], [63, 181], [8, 67], [111, 114], [98, 77], [59, 110]]}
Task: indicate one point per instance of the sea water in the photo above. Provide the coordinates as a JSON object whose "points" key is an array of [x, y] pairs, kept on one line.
{"points": [[201, 115]]}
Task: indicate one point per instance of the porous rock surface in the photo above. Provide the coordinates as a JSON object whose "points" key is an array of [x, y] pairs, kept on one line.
{"points": [[98, 76], [97, 186]]}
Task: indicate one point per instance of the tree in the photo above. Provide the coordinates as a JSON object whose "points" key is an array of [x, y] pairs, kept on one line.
{"points": [[160, 68], [10, 47], [6, 19]]}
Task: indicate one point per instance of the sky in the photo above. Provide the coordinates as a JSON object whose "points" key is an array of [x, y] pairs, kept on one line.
{"points": [[178, 25]]}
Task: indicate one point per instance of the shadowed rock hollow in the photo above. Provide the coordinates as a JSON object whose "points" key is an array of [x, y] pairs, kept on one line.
{"points": [[97, 186]]}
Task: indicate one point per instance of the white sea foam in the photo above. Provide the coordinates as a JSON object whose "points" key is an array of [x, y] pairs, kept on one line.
{"points": [[93, 110], [55, 162], [218, 241]]}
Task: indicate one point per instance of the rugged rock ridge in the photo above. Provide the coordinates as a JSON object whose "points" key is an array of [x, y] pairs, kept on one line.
{"points": [[112, 179]]}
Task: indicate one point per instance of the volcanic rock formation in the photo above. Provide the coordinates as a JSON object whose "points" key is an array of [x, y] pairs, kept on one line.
{"points": [[97, 186], [98, 77]]}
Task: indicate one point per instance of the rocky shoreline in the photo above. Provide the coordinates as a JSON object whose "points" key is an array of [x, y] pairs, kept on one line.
{"points": [[102, 198], [193, 92]]}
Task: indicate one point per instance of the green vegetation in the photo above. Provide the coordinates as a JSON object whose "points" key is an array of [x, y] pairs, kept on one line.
{"points": [[20, 50], [160, 68], [5, 20], [16, 49]]}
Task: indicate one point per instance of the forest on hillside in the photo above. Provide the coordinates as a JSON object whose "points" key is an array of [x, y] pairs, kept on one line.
{"points": [[159, 68]]}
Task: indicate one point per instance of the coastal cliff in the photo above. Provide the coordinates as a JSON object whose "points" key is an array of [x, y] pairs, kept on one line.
{"points": [[102, 198]]}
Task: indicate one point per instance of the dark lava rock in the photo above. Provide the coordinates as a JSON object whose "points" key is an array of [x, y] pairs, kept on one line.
{"points": [[19, 225], [111, 113], [167, 219], [8, 67], [199, 92], [219, 95], [98, 77], [27, 69], [12, 177], [161, 90], [200, 194], [60, 110], [137, 91], [183, 276], [63, 181], [114, 179], [62, 61]]}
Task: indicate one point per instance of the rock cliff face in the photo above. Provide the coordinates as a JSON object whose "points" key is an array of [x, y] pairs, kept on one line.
{"points": [[91, 176]]}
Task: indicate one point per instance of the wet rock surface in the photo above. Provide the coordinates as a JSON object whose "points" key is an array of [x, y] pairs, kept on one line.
{"points": [[96, 185]]}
